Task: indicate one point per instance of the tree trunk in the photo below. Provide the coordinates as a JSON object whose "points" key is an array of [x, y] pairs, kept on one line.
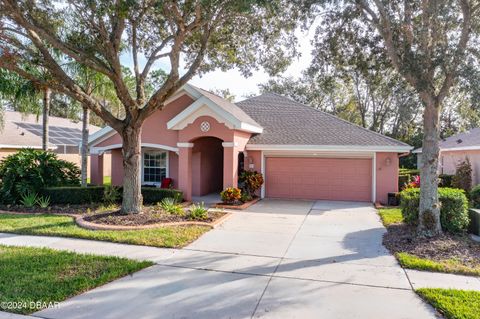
{"points": [[84, 149], [132, 196], [429, 217], [46, 110]]}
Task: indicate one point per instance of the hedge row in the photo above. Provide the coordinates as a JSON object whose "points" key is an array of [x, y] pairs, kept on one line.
{"points": [[74, 195], [453, 211], [94, 194]]}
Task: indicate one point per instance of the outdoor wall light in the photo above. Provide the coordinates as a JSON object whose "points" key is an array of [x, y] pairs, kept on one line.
{"points": [[388, 161]]}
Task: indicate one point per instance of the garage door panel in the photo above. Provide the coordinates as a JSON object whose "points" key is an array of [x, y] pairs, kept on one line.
{"points": [[319, 178]]}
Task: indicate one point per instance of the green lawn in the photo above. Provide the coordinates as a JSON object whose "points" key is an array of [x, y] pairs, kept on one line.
{"points": [[454, 304], [31, 275], [390, 216], [55, 225], [448, 266]]}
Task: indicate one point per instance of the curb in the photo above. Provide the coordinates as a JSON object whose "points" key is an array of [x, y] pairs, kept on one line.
{"points": [[80, 221]]}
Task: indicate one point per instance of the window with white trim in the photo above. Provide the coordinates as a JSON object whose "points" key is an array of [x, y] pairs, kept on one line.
{"points": [[154, 167]]}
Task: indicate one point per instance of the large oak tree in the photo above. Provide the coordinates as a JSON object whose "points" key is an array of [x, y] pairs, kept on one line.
{"points": [[184, 37], [429, 43]]}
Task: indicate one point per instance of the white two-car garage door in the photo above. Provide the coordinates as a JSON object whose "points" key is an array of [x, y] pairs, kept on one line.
{"points": [[319, 178]]}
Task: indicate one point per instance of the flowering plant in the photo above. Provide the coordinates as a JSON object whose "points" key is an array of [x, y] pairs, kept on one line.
{"points": [[415, 183]]}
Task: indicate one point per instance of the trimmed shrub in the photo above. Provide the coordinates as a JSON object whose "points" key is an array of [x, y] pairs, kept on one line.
{"points": [[453, 211], [96, 194], [463, 176], [154, 195], [475, 196], [445, 180], [29, 171], [75, 195]]}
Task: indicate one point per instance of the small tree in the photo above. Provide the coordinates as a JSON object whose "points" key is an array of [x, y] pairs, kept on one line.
{"points": [[463, 176]]}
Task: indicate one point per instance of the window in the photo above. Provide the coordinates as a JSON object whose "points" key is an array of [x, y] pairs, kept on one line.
{"points": [[154, 167]]}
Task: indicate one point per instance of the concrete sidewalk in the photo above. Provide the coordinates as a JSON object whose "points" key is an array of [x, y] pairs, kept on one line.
{"points": [[239, 263], [94, 247]]}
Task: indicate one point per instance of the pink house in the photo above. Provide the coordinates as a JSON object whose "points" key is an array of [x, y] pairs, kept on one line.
{"points": [[455, 149], [202, 141]]}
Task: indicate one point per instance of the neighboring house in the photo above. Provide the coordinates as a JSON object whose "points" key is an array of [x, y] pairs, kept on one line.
{"points": [[25, 131], [202, 141], [455, 149]]}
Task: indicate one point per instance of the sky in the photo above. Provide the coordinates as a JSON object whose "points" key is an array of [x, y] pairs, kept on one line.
{"points": [[239, 85]]}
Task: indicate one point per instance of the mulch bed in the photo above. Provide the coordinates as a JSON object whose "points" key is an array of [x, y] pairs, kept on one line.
{"points": [[237, 206], [402, 238], [54, 209], [150, 215]]}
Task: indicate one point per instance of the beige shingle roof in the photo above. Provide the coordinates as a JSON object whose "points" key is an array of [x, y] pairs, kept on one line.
{"points": [[287, 122]]}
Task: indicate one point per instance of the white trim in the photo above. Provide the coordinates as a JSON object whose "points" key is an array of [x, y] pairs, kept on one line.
{"points": [[142, 168], [229, 144], [187, 145], [321, 154], [106, 132], [262, 190], [374, 177], [101, 135], [26, 146], [188, 116], [452, 149], [346, 148], [160, 146], [188, 89], [98, 150], [250, 128]]}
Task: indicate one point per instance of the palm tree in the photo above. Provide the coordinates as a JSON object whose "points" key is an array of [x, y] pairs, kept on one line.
{"points": [[24, 96], [94, 84]]}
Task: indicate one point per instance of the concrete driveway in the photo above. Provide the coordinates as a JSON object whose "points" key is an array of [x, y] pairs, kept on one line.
{"points": [[279, 259]]}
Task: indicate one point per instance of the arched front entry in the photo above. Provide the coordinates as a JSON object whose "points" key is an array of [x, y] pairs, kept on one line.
{"points": [[207, 166]]}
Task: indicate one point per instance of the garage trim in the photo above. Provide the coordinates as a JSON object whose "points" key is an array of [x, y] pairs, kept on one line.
{"points": [[371, 155]]}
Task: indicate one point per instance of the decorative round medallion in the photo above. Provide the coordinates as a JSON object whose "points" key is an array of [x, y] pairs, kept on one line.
{"points": [[205, 126]]}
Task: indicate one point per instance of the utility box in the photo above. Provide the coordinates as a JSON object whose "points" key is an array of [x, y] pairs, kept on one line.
{"points": [[474, 227], [393, 199]]}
